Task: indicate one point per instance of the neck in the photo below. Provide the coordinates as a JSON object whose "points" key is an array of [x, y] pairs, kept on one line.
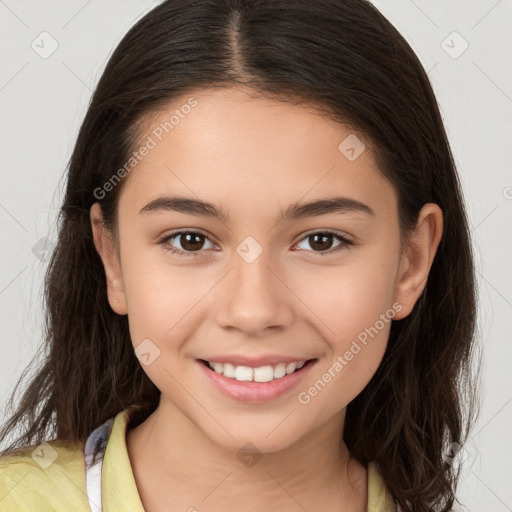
{"points": [[175, 463]]}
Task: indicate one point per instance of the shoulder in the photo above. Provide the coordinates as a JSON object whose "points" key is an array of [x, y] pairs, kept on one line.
{"points": [[50, 476]]}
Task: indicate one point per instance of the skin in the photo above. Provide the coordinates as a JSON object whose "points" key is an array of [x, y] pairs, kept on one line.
{"points": [[254, 157]]}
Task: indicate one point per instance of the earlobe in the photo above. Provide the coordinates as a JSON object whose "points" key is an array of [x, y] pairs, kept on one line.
{"points": [[417, 260], [105, 246]]}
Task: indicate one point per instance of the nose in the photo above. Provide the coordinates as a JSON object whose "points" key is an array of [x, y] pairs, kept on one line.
{"points": [[254, 297]]}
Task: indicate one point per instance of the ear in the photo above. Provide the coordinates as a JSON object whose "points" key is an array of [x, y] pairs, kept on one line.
{"points": [[417, 259], [105, 245]]}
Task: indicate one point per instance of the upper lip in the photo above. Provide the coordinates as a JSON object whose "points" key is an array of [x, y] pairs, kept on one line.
{"points": [[255, 362]]}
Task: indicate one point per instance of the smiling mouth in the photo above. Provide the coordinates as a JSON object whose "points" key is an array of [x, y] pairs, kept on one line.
{"points": [[261, 375]]}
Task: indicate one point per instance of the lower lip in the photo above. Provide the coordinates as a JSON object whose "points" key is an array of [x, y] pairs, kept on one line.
{"points": [[255, 392]]}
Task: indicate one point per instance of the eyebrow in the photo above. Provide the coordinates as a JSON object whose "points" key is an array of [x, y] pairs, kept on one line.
{"points": [[336, 204]]}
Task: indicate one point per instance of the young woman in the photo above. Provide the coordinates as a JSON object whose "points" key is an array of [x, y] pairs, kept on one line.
{"points": [[262, 296]]}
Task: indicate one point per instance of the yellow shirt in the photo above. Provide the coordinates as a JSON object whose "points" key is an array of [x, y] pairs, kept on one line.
{"points": [[52, 478]]}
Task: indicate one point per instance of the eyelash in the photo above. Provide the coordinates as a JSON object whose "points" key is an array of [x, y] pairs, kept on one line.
{"points": [[181, 253]]}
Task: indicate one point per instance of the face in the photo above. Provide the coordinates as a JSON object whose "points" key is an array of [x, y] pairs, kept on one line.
{"points": [[318, 284]]}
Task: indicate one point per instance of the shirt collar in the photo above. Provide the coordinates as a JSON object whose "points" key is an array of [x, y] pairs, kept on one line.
{"points": [[119, 490], [379, 497]]}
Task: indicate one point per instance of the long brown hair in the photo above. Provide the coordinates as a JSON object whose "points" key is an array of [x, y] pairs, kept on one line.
{"points": [[344, 56]]}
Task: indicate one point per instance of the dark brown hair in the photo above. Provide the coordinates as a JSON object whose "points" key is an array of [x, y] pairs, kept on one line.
{"points": [[345, 57]]}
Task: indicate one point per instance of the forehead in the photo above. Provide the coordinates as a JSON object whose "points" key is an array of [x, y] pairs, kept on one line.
{"points": [[239, 151]]}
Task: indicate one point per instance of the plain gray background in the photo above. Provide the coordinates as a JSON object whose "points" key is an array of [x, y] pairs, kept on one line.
{"points": [[465, 47]]}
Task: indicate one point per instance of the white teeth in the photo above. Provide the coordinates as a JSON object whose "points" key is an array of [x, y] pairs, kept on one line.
{"points": [[291, 367], [243, 373], [217, 367], [229, 370], [260, 374], [263, 374], [279, 370]]}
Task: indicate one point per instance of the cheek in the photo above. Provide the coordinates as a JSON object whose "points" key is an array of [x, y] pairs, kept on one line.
{"points": [[348, 297], [356, 310], [161, 298], [162, 304]]}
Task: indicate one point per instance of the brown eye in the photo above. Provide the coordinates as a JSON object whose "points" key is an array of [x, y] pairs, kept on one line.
{"points": [[322, 241], [189, 242]]}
